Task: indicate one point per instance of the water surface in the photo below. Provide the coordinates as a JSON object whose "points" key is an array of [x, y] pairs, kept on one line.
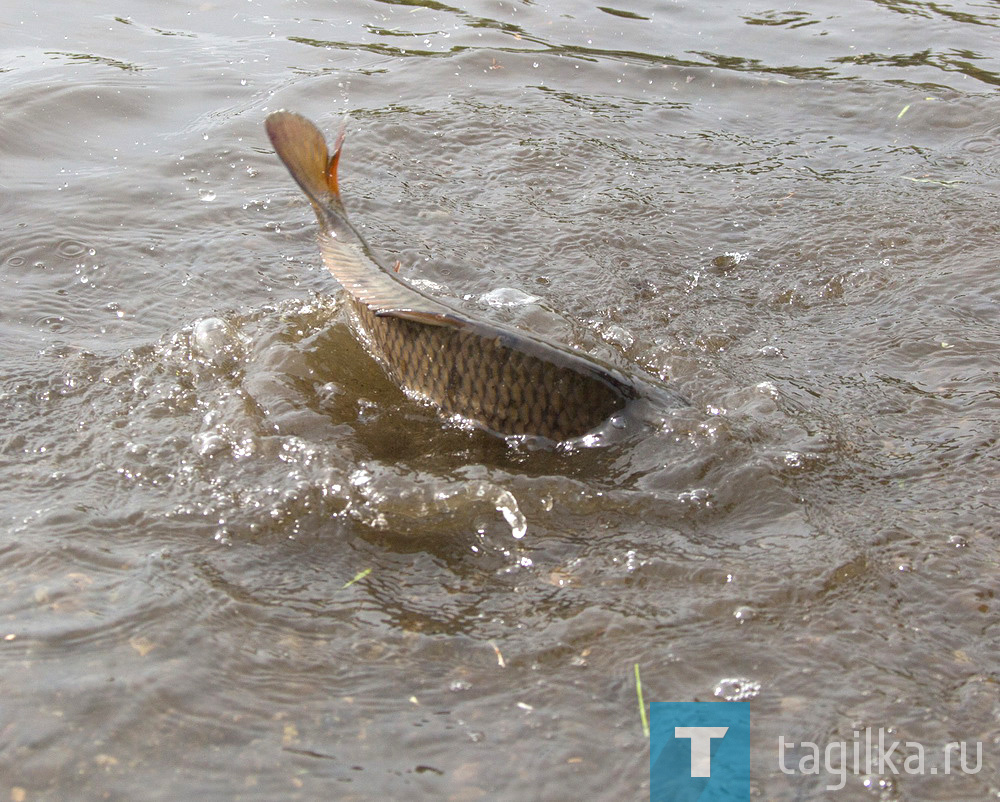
{"points": [[236, 561]]}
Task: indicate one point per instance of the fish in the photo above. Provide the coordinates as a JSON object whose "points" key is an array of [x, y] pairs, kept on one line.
{"points": [[503, 380]]}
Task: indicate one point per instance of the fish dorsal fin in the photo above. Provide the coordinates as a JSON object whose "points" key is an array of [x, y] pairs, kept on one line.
{"points": [[428, 318], [302, 147]]}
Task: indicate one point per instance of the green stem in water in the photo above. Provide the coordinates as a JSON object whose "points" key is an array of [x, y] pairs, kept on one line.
{"points": [[642, 706], [357, 576]]}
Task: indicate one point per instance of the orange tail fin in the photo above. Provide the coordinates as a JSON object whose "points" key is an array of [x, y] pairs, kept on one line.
{"points": [[302, 148]]}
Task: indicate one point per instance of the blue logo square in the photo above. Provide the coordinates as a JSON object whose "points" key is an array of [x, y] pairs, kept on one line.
{"points": [[699, 752]]}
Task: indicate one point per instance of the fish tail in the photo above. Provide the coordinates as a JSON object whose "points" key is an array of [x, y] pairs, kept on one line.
{"points": [[302, 147]]}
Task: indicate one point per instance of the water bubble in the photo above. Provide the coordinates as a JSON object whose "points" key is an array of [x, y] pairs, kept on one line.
{"points": [[506, 505], [884, 785], [206, 195], [698, 497], [793, 459], [507, 297], [137, 449], [618, 335], [325, 393], [737, 689], [208, 444], [360, 477], [214, 339], [245, 447], [368, 411], [768, 388]]}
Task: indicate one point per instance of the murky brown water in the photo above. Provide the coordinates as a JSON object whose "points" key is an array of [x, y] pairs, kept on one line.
{"points": [[792, 215]]}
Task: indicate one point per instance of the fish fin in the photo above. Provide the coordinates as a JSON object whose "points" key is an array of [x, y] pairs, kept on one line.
{"points": [[302, 147], [333, 161], [428, 318]]}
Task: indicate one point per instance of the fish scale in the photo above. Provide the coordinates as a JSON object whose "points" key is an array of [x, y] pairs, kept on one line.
{"points": [[506, 381], [488, 379]]}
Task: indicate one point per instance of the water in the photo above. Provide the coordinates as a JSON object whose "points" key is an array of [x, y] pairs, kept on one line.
{"points": [[236, 561]]}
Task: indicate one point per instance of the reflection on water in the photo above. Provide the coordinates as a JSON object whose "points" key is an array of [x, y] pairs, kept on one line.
{"points": [[236, 560]]}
